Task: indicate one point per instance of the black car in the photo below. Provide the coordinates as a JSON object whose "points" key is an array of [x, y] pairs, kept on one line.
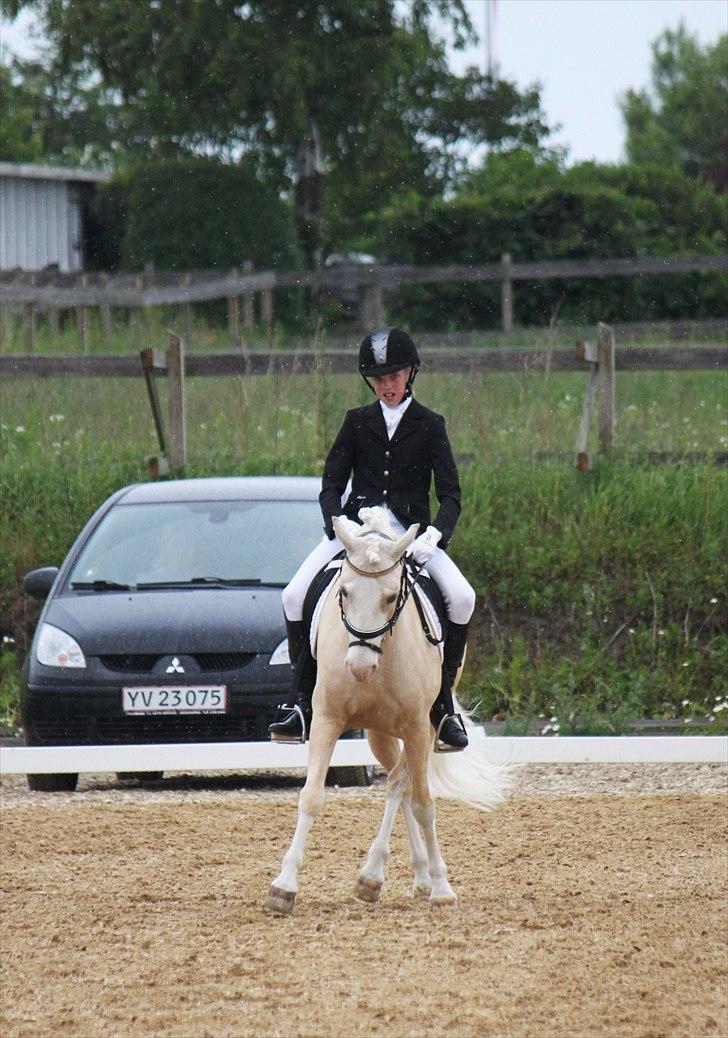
{"points": [[164, 622]]}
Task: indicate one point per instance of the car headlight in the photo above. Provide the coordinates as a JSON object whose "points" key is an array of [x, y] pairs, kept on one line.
{"points": [[280, 654], [55, 648]]}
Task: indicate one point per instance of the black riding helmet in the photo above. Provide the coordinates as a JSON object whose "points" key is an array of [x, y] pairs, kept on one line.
{"points": [[386, 350]]}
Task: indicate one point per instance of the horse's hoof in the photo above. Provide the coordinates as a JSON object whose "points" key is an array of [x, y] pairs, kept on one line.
{"points": [[368, 889], [421, 890], [444, 901], [280, 901]]}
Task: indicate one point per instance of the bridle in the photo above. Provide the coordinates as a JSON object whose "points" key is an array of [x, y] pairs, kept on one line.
{"points": [[406, 586]]}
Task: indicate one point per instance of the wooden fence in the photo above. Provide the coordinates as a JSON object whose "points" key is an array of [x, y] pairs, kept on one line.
{"points": [[52, 292], [599, 362]]}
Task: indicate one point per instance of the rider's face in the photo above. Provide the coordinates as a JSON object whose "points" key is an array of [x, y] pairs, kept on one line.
{"points": [[390, 389]]}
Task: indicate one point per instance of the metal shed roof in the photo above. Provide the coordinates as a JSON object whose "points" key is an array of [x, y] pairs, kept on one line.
{"points": [[29, 171]]}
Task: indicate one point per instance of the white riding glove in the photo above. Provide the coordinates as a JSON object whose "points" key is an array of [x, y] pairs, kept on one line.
{"points": [[423, 547]]}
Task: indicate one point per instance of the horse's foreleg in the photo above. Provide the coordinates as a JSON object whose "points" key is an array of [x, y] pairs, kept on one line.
{"points": [[417, 748], [371, 877], [284, 888]]}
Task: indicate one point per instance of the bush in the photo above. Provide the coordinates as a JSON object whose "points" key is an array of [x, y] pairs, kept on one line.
{"points": [[193, 214], [542, 212]]}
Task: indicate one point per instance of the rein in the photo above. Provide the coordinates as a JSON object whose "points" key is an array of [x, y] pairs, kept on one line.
{"points": [[406, 586]]}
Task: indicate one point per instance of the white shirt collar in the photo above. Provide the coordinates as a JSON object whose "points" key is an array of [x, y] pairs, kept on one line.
{"points": [[392, 415]]}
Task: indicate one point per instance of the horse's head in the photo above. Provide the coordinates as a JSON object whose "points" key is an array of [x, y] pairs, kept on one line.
{"points": [[372, 583]]}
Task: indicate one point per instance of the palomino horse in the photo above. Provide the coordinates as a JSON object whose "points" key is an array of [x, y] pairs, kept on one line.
{"points": [[378, 671]]}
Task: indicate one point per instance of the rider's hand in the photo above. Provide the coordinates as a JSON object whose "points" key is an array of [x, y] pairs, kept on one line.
{"points": [[423, 547]]}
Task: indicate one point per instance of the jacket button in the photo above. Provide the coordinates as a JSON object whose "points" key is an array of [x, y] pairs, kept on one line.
{"points": [[386, 454], [386, 472], [385, 493]]}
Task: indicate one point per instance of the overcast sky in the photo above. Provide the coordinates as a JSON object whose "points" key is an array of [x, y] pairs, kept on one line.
{"points": [[585, 53]]}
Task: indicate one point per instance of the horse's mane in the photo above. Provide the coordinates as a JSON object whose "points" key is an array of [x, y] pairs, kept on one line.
{"points": [[375, 523]]}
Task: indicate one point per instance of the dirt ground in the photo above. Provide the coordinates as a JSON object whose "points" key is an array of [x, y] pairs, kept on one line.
{"points": [[578, 916]]}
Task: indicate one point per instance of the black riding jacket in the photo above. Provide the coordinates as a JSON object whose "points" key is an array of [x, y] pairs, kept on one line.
{"points": [[395, 472]]}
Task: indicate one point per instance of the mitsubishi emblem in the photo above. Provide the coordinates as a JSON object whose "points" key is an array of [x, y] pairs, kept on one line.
{"points": [[175, 667]]}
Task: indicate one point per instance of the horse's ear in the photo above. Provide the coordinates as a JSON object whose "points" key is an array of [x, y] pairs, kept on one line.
{"points": [[343, 529], [405, 540]]}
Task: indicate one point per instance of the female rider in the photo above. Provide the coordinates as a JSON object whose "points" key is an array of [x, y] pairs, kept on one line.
{"points": [[391, 449]]}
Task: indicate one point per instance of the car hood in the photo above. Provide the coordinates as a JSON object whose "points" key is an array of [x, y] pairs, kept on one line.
{"points": [[174, 621]]}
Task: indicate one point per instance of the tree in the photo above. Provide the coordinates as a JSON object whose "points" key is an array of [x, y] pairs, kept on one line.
{"points": [[683, 119], [358, 93]]}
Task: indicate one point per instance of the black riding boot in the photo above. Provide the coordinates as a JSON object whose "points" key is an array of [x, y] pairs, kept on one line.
{"points": [[295, 725], [449, 728]]}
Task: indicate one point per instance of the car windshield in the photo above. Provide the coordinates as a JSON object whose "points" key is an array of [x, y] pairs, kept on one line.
{"points": [[200, 542]]}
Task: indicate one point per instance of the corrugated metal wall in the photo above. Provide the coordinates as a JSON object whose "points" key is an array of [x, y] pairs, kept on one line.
{"points": [[40, 224]]}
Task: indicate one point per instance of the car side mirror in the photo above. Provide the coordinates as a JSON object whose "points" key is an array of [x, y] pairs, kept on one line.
{"points": [[39, 582]]}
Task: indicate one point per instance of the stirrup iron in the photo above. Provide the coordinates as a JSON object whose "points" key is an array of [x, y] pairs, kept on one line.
{"points": [[443, 747], [295, 709]]}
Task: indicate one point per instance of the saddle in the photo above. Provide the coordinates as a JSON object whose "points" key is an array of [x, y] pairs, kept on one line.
{"points": [[427, 598]]}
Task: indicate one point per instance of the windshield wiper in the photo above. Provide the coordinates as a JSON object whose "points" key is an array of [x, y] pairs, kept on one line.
{"points": [[204, 582], [99, 585]]}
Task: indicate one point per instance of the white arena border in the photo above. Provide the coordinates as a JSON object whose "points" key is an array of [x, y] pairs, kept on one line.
{"points": [[244, 756]]}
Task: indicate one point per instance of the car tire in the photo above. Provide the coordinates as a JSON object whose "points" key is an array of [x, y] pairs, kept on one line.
{"points": [[140, 776], [353, 775], [62, 783]]}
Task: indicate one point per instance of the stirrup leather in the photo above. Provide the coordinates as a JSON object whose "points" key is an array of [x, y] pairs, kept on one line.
{"points": [[295, 709], [444, 747]]}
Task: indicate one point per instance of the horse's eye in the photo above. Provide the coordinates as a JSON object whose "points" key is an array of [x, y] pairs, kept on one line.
{"points": [[343, 592], [390, 599]]}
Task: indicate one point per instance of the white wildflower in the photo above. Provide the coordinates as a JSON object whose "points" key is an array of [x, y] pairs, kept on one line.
{"points": [[20, 428]]}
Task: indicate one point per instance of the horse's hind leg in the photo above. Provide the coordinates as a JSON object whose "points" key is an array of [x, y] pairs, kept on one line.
{"points": [[370, 879], [386, 749], [417, 749], [421, 883], [284, 888]]}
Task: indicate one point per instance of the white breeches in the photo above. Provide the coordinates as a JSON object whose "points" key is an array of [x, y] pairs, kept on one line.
{"points": [[456, 591]]}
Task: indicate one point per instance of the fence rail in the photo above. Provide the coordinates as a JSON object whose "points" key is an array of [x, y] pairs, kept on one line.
{"points": [[164, 288], [535, 359]]}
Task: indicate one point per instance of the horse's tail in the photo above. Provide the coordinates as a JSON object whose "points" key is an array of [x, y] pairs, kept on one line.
{"points": [[469, 776]]}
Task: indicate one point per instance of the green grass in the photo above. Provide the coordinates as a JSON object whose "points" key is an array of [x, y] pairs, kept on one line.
{"points": [[601, 597]]}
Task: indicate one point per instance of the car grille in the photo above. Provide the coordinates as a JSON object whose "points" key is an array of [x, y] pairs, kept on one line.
{"points": [[208, 661], [85, 731], [140, 663], [177, 729], [61, 732], [130, 663]]}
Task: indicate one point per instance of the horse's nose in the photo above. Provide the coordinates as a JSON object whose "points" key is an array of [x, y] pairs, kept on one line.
{"points": [[361, 662]]}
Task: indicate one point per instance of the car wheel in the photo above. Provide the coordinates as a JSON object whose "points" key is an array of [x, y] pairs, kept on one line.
{"points": [[53, 783], [354, 775], [140, 776]]}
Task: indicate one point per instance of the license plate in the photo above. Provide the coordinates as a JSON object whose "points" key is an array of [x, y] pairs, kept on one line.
{"points": [[174, 699]]}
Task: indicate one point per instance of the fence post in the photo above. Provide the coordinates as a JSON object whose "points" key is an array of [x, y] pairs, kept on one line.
{"points": [[605, 351], [152, 362], [372, 307], [587, 351], [177, 408], [105, 311], [29, 327], [506, 292], [266, 311], [248, 300], [82, 319], [187, 313], [233, 309]]}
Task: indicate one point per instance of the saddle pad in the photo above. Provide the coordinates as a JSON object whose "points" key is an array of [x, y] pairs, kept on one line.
{"points": [[432, 618]]}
